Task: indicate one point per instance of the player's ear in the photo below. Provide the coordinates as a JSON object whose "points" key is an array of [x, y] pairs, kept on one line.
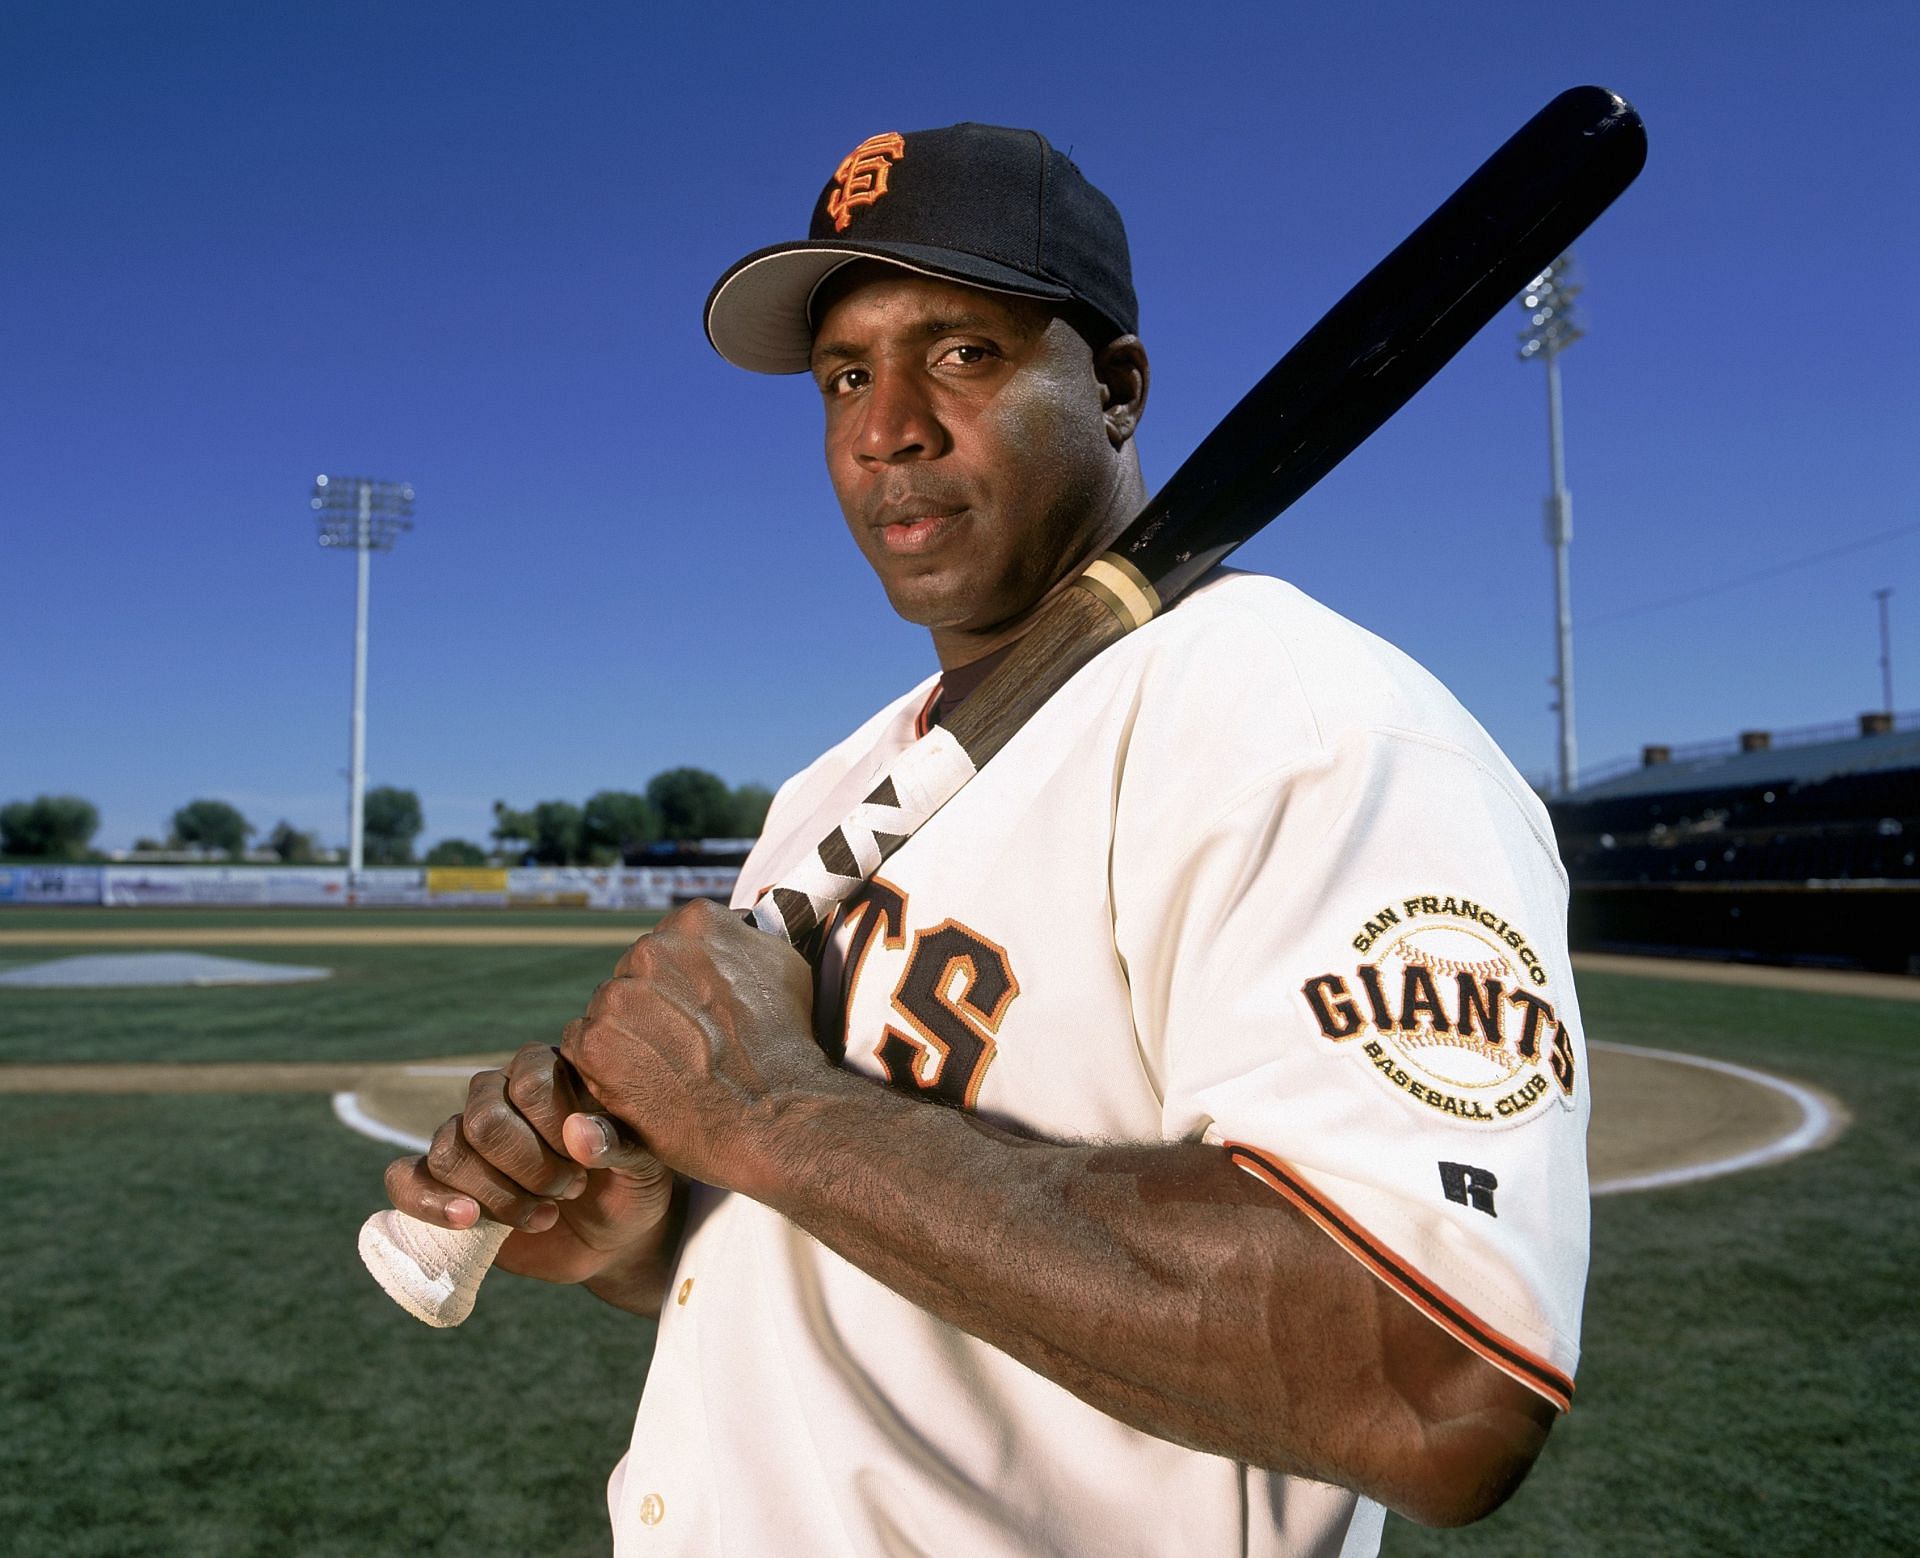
{"points": [[1120, 367]]}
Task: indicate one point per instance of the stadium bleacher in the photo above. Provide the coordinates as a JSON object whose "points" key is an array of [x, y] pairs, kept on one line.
{"points": [[1797, 847]]}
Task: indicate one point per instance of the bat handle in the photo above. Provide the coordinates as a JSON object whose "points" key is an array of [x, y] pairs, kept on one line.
{"points": [[432, 1273], [435, 1273]]}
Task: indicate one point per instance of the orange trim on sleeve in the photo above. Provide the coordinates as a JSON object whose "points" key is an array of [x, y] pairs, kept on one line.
{"points": [[1446, 1312]]}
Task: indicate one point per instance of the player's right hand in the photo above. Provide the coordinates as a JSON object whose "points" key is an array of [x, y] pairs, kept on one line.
{"points": [[534, 1150]]}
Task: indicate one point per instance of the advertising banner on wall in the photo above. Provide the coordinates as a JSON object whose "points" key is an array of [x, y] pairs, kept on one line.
{"points": [[466, 886], [390, 887], [618, 887], [571, 887], [715, 882], [49, 884], [661, 887], [597, 887], [308, 887]]}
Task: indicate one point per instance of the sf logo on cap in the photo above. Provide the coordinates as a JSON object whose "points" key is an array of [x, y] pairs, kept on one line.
{"points": [[863, 176]]}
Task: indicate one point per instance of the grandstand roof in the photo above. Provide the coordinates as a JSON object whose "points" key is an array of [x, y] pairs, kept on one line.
{"points": [[1806, 764]]}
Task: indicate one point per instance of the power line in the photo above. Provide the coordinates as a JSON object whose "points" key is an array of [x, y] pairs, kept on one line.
{"points": [[1773, 572]]}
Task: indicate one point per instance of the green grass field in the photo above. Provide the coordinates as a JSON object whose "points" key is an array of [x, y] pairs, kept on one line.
{"points": [[192, 1362], [382, 1003]]}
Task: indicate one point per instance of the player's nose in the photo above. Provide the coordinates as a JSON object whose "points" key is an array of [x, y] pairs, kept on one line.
{"points": [[898, 421]]}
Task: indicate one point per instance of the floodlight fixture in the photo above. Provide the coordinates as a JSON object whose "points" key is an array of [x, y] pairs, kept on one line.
{"points": [[1548, 301], [1551, 328], [364, 516], [356, 512]]}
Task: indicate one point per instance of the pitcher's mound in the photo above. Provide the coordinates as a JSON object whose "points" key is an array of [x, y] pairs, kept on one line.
{"points": [[1659, 1118], [100, 970]]}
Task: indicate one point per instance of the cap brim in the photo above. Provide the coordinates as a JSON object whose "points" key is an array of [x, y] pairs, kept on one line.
{"points": [[758, 313]]}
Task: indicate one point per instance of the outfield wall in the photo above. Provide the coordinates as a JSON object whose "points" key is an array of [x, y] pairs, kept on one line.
{"points": [[1845, 924], [314, 887]]}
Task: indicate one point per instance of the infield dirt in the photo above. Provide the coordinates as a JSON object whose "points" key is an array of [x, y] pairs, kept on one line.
{"points": [[1650, 1114]]}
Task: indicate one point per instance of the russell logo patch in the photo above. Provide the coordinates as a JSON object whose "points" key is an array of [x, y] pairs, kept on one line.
{"points": [[1451, 1011]]}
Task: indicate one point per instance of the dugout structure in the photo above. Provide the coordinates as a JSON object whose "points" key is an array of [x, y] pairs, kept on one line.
{"points": [[1797, 848]]}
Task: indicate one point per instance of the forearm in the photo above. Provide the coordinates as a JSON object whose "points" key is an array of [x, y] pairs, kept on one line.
{"points": [[1158, 1283]]}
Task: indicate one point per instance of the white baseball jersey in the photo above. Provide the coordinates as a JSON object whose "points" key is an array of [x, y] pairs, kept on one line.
{"points": [[1252, 877]]}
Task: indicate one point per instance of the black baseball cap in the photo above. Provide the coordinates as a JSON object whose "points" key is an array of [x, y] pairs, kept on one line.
{"points": [[974, 203]]}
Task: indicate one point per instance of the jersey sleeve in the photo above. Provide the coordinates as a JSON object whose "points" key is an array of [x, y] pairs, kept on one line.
{"points": [[1352, 973]]}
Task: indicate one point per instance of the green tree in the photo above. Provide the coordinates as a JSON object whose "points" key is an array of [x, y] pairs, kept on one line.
{"points": [[391, 821], [456, 852], [557, 833], [750, 803], [617, 824], [692, 803], [48, 827], [292, 846], [206, 824], [513, 831]]}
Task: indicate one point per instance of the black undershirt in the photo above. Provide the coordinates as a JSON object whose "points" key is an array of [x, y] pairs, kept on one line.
{"points": [[958, 684]]}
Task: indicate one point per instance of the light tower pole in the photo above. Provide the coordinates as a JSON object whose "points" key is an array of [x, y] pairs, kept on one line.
{"points": [[1548, 301], [366, 515], [1886, 650]]}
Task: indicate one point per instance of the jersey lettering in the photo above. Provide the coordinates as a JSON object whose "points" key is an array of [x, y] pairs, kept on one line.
{"points": [[879, 909], [951, 999], [954, 994], [1561, 1060]]}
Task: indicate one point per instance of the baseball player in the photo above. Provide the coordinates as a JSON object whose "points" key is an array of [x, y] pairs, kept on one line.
{"points": [[1180, 1147]]}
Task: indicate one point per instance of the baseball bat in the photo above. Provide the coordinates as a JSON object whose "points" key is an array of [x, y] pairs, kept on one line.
{"points": [[1370, 353]]}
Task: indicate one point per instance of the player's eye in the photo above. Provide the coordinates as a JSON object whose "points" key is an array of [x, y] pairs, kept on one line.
{"points": [[963, 353], [845, 381]]}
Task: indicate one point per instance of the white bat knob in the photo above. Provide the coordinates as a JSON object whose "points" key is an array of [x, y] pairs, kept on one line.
{"points": [[432, 1273]]}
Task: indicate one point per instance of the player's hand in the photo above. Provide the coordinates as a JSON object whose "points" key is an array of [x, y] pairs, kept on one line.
{"points": [[534, 1150], [703, 1033]]}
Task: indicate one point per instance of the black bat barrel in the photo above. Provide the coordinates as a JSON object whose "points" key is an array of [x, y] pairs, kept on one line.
{"points": [[1393, 332]]}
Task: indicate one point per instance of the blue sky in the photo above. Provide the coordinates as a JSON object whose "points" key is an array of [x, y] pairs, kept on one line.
{"points": [[465, 246]]}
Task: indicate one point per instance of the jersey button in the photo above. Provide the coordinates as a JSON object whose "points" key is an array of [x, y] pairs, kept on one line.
{"points": [[653, 1510], [685, 1293]]}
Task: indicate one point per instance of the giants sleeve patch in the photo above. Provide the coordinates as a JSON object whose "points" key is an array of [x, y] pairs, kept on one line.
{"points": [[1451, 1011]]}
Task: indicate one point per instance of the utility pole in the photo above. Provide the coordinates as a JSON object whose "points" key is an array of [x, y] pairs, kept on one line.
{"points": [[366, 515], [1548, 301], [1886, 651]]}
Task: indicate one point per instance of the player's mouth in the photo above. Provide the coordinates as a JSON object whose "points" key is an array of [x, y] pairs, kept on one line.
{"points": [[913, 534]]}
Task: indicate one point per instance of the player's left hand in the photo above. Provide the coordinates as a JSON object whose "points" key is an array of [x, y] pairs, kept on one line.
{"points": [[703, 1032]]}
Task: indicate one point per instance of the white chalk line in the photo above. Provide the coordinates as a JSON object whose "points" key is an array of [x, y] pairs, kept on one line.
{"points": [[1817, 1125], [346, 1108]]}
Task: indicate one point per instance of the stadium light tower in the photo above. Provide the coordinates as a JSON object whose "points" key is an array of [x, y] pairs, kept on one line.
{"points": [[368, 516], [1886, 650], [1548, 301]]}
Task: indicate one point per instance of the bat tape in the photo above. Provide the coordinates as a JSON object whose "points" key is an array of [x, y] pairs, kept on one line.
{"points": [[1122, 588], [917, 784]]}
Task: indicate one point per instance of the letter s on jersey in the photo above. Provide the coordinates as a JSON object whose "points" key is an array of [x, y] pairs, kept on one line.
{"points": [[954, 994], [952, 997]]}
